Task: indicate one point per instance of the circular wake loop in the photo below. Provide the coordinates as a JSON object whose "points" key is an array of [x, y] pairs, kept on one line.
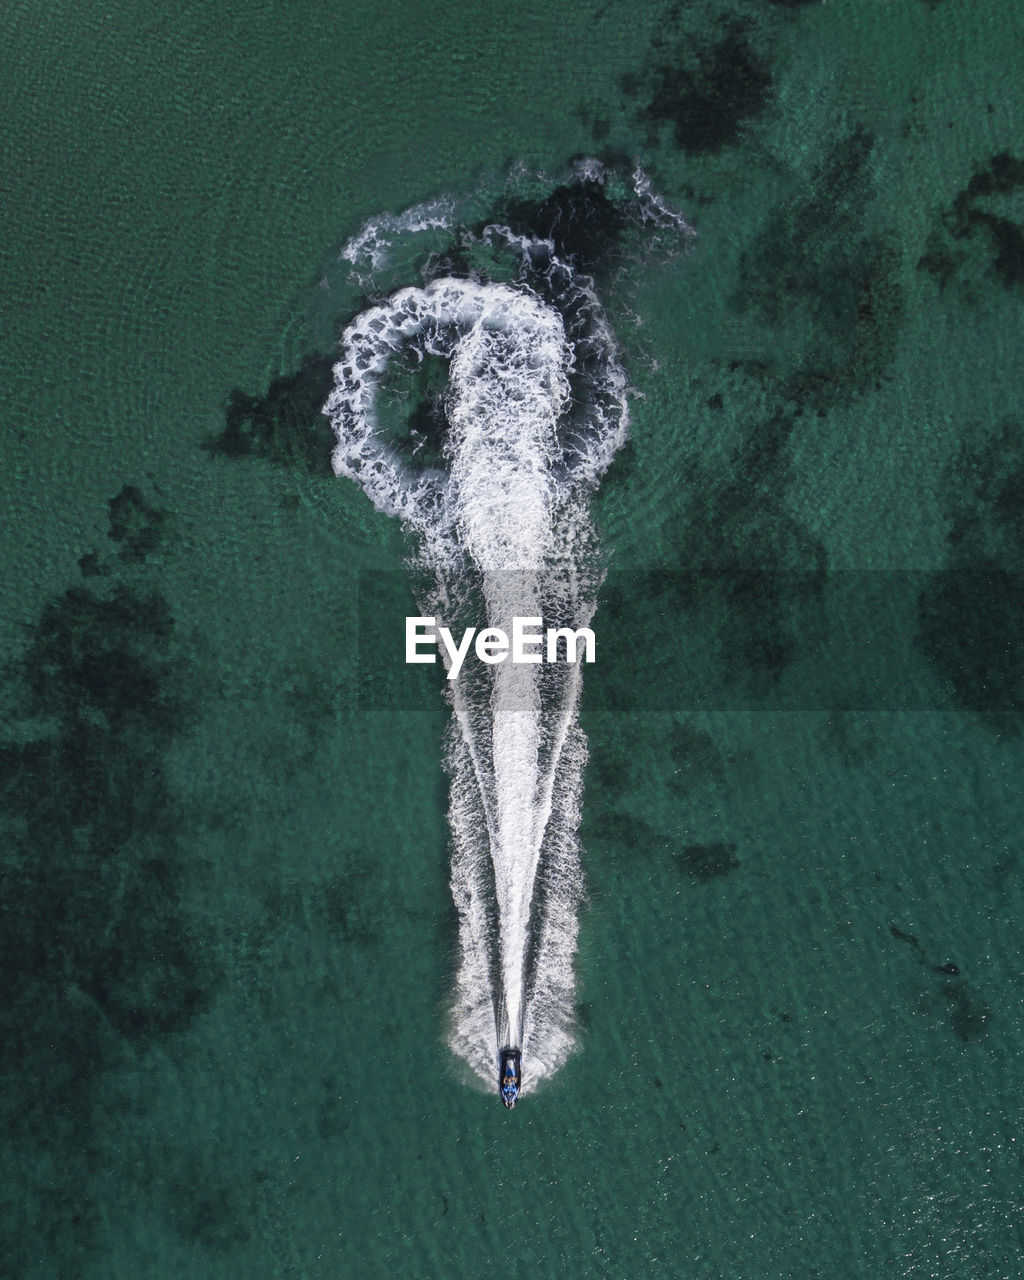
{"points": [[493, 480]]}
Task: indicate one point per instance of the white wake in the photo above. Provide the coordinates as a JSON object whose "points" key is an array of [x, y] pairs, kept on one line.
{"points": [[535, 408]]}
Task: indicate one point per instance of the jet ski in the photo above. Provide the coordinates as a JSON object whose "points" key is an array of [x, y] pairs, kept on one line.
{"points": [[510, 1076]]}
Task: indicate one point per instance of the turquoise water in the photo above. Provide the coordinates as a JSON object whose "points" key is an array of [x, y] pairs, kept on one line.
{"points": [[229, 940]]}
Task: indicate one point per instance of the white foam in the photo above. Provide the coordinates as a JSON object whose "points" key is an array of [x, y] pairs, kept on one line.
{"points": [[370, 248], [502, 528]]}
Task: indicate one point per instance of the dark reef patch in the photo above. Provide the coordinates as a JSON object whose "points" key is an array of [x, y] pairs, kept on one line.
{"points": [[100, 663], [969, 1016], [136, 525], [971, 617], [973, 238], [93, 886], [984, 500], [827, 290], [585, 225], [90, 566], [707, 861], [708, 90], [101, 955], [286, 425]]}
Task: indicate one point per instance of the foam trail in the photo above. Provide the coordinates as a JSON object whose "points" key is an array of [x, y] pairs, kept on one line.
{"points": [[534, 410]]}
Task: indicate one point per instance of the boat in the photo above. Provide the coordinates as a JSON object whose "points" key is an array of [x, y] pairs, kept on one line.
{"points": [[510, 1076]]}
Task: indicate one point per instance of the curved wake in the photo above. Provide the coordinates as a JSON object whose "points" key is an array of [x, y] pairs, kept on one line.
{"points": [[532, 414]]}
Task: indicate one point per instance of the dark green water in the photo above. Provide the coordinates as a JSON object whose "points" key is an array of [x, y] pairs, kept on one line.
{"points": [[227, 936]]}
